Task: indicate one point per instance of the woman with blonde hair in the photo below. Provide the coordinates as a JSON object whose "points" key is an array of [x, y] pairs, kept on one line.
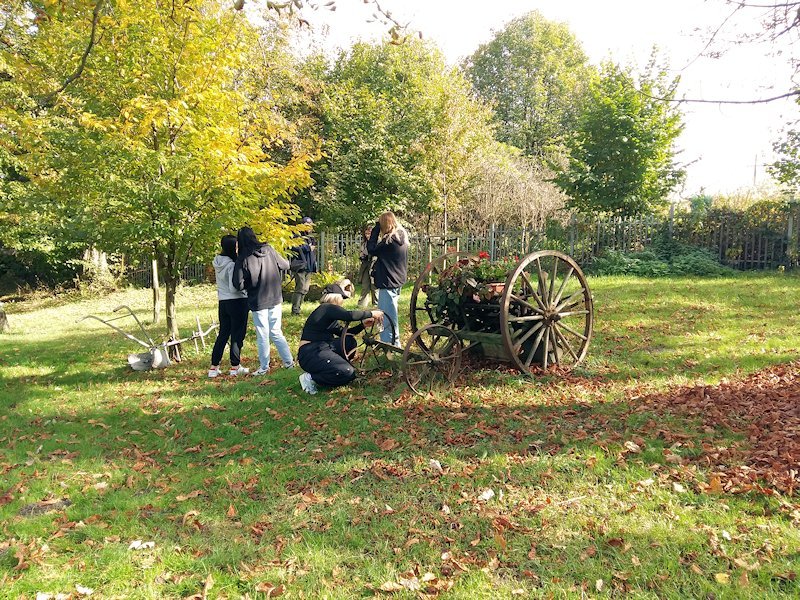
{"points": [[389, 245], [320, 352]]}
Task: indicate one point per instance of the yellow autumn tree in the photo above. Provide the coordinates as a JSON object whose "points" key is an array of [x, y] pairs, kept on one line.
{"points": [[156, 125]]}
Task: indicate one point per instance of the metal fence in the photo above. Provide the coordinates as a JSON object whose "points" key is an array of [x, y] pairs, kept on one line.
{"points": [[741, 244]]}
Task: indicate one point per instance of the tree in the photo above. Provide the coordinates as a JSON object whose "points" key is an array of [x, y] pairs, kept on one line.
{"points": [[786, 170], [534, 73], [397, 125], [172, 134], [622, 159]]}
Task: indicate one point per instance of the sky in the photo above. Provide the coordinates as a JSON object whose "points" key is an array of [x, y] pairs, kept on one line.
{"points": [[725, 147]]}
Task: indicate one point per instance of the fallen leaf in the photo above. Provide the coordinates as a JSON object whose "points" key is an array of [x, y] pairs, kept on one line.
{"points": [[193, 494], [722, 578], [231, 512], [598, 585], [391, 587], [677, 487], [486, 495], [272, 591], [84, 591]]}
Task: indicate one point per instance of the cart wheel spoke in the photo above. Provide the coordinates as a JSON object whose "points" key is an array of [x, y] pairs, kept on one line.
{"points": [[572, 331], [566, 343], [533, 329], [534, 347], [563, 285]]}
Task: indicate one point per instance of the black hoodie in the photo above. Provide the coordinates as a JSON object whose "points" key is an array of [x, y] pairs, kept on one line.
{"points": [[258, 273], [391, 268]]}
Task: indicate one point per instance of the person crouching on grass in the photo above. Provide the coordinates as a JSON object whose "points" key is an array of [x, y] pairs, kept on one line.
{"points": [[320, 352]]}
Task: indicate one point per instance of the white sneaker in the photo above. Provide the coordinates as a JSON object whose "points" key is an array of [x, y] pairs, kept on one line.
{"points": [[240, 370], [260, 371], [213, 373], [308, 385]]}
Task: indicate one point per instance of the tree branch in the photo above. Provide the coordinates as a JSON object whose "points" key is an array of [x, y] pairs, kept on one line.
{"points": [[48, 98]]}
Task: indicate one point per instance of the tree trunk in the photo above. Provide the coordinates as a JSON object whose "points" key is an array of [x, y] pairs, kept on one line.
{"points": [[156, 294], [171, 283], [4, 326]]}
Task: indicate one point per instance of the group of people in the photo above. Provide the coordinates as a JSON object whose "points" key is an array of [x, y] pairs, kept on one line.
{"points": [[249, 277]]}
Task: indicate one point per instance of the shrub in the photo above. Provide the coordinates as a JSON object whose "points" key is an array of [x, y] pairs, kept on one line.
{"points": [[661, 260]]}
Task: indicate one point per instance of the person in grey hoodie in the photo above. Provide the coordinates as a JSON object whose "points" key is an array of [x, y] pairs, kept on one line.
{"points": [[258, 270], [232, 311]]}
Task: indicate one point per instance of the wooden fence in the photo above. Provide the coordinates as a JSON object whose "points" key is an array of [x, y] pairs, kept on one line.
{"points": [[758, 245]]}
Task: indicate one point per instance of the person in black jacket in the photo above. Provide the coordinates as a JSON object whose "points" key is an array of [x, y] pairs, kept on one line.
{"points": [[389, 244], [320, 353], [257, 270], [303, 266]]}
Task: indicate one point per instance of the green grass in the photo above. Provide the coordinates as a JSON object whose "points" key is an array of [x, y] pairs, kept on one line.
{"points": [[251, 482]]}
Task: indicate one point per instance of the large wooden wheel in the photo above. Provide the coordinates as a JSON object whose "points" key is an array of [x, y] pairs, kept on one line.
{"points": [[422, 312], [546, 312], [365, 351], [432, 359]]}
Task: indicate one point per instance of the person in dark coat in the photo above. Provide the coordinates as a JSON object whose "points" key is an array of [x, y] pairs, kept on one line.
{"points": [[303, 265], [388, 243], [257, 271], [320, 353]]}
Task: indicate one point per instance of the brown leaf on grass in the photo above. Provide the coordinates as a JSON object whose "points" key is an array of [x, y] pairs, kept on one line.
{"points": [[632, 447], [272, 591], [715, 485], [192, 494], [500, 541], [616, 542], [391, 587], [388, 444]]}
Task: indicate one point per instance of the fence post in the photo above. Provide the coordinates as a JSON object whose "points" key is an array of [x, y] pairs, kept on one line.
{"points": [[321, 254], [572, 224], [491, 241], [671, 219]]}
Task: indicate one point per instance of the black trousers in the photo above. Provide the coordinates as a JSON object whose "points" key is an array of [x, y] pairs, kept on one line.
{"points": [[325, 363], [233, 325]]}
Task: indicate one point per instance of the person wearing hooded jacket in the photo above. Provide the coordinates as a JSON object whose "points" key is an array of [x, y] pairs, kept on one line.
{"points": [[388, 243], [232, 311], [257, 271]]}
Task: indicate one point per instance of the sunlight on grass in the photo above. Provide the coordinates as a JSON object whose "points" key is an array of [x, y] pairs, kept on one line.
{"points": [[256, 484]]}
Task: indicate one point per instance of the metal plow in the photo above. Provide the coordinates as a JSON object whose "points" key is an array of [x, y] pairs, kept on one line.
{"points": [[157, 354]]}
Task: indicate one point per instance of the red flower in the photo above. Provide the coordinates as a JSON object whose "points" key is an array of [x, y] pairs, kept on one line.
{"points": [[483, 255]]}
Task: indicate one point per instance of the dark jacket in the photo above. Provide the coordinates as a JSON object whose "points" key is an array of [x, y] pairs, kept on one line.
{"points": [[307, 253], [323, 324], [258, 273], [391, 267]]}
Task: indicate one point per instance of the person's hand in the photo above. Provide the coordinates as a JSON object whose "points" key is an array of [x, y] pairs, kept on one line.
{"points": [[377, 315], [368, 322]]}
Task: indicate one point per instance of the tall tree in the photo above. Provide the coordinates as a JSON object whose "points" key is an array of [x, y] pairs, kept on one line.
{"points": [[534, 72], [172, 133], [622, 157], [397, 124]]}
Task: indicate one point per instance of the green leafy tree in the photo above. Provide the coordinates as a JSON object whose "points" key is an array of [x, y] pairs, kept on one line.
{"points": [[786, 170], [622, 158], [171, 135], [397, 125], [534, 73]]}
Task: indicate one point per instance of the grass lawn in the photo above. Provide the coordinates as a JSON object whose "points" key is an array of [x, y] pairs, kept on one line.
{"points": [[606, 481]]}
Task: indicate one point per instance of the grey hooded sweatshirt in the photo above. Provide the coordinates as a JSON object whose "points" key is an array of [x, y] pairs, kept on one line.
{"points": [[223, 267]]}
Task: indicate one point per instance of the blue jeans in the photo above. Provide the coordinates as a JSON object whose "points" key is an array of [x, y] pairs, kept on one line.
{"points": [[387, 302], [268, 327]]}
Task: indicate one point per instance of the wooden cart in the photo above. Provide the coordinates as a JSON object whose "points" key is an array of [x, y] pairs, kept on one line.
{"points": [[541, 314]]}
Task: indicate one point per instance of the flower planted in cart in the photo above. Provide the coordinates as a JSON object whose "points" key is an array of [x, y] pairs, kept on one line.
{"points": [[472, 279]]}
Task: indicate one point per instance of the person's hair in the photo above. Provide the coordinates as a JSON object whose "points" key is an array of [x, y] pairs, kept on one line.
{"points": [[247, 241], [390, 228], [329, 297], [228, 245]]}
